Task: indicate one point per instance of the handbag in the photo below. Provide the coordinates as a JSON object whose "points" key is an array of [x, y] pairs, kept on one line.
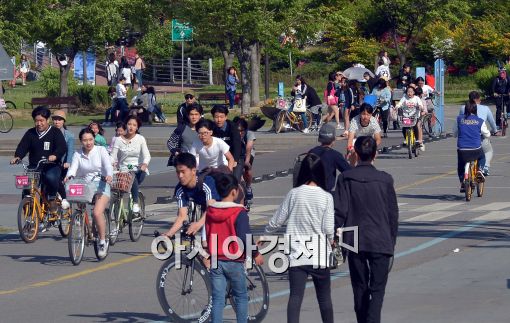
{"points": [[299, 105], [331, 98]]}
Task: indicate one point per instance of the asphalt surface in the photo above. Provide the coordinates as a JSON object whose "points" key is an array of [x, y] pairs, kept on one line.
{"points": [[451, 261]]}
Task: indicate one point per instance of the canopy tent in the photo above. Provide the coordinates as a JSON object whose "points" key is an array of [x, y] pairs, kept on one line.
{"points": [[6, 66]]}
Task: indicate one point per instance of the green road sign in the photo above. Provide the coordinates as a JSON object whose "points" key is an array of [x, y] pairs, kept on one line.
{"points": [[181, 31]]}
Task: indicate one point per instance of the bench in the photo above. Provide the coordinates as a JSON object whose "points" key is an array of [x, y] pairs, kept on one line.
{"points": [[210, 98], [56, 102]]}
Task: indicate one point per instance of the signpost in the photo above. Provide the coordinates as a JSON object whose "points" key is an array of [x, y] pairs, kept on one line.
{"points": [[181, 31]]}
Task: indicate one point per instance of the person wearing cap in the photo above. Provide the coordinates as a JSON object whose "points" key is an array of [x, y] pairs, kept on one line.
{"points": [[59, 122], [500, 87], [332, 159]]}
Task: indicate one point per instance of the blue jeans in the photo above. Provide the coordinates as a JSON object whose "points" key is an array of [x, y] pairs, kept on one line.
{"points": [[231, 98], [109, 115], [233, 272], [139, 177], [51, 178], [138, 74], [123, 108]]}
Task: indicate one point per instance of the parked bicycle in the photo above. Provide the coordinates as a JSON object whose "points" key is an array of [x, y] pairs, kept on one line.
{"points": [[34, 213], [6, 119], [287, 119], [185, 294], [83, 231], [472, 180], [121, 214]]}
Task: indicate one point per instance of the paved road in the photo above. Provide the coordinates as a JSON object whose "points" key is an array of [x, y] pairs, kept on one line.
{"points": [[429, 282]]}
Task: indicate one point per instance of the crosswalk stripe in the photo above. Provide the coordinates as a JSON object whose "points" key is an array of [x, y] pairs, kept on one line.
{"points": [[402, 204], [438, 206], [493, 216], [263, 208], [432, 216], [495, 206]]}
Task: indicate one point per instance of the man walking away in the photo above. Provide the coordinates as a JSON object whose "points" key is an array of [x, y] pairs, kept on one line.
{"points": [[365, 198], [332, 159]]}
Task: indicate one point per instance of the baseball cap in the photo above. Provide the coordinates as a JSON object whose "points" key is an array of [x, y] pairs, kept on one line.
{"points": [[60, 113], [327, 133]]}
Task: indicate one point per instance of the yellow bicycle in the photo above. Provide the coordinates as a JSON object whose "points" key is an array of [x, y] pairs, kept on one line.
{"points": [[408, 122], [472, 180], [286, 119]]}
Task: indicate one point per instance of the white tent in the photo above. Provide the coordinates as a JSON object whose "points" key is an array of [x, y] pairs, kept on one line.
{"points": [[6, 66]]}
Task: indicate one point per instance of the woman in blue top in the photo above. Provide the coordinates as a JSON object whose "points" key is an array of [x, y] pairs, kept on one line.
{"points": [[59, 120], [383, 94], [230, 86], [470, 129]]}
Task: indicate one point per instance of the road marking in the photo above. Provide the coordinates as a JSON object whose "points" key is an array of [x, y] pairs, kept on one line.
{"points": [[438, 206], [402, 204], [493, 216], [426, 180], [432, 216], [264, 208], [495, 206], [157, 207]]}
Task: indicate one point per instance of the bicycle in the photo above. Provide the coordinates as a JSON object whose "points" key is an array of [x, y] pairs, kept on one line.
{"points": [[286, 119], [317, 121], [83, 232], [472, 180], [6, 119], [7, 104], [503, 123], [34, 213], [409, 122], [429, 122], [119, 215], [191, 285]]}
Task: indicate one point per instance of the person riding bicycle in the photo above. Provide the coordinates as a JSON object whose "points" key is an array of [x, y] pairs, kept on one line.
{"points": [[188, 188], [91, 163], [412, 106], [182, 138], [428, 93], [59, 120], [500, 90], [226, 219], [130, 152], [484, 113], [364, 124], [383, 93], [247, 153], [43, 142], [226, 130], [469, 130]]}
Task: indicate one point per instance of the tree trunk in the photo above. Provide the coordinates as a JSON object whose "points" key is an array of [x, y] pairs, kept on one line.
{"points": [[400, 54], [243, 55], [64, 72], [266, 74], [255, 73], [228, 59], [84, 61]]}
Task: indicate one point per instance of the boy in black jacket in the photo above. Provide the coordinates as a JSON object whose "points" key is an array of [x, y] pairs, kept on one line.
{"points": [[43, 142], [365, 198], [227, 130]]}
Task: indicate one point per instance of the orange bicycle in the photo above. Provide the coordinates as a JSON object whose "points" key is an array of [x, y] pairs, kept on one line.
{"points": [[34, 213], [472, 180]]}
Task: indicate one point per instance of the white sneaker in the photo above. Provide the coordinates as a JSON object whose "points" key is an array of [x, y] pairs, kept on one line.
{"points": [[306, 130], [422, 147], [65, 204], [136, 208], [101, 253]]}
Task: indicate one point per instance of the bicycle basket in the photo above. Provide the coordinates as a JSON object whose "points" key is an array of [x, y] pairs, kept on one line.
{"points": [[283, 104], [122, 181], [407, 121], [24, 181], [79, 190]]}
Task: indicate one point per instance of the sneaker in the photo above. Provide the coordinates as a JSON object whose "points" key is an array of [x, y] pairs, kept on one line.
{"points": [[306, 130], [462, 189], [42, 227], [136, 208], [486, 171], [479, 176], [339, 126], [65, 204], [249, 193], [101, 252], [53, 206], [421, 146], [404, 143]]}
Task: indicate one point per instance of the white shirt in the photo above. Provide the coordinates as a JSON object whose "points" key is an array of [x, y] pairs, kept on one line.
{"points": [[383, 70], [132, 152], [121, 91], [371, 129], [213, 156], [127, 74], [413, 103], [97, 162], [426, 90]]}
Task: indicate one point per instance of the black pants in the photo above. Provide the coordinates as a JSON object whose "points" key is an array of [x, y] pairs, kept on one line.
{"points": [[369, 274], [467, 155], [500, 103], [384, 117], [322, 282]]}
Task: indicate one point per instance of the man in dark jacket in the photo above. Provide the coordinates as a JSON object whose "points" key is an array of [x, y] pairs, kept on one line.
{"points": [[183, 110], [501, 87], [365, 198], [227, 130]]}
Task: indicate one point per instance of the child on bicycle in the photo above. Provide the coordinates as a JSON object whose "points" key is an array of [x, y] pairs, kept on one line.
{"points": [[412, 106], [224, 220], [469, 129], [91, 162]]}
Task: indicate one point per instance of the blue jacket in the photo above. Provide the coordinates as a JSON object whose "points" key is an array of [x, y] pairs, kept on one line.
{"points": [[483, 112], [230, 83], [69, 137], [469, 132]]}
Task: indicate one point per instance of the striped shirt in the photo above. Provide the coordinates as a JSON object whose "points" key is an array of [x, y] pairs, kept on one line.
{"points": [[309, 214], [200, 195]]}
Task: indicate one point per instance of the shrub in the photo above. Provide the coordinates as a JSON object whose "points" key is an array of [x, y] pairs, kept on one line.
{"points": [[485, 76], [50, 81], [92, 96]]}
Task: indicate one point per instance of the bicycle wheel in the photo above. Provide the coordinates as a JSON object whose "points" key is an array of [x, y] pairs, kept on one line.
{"points": [[184, 294], [504, 125], [479, 188], [280, 122], [6, 122], [95, 233], [114, 213], [28, 222], [64, 224], [409, 143], [258, 294], [137, 220], [10, 105], [76, 238], [432, 126]]}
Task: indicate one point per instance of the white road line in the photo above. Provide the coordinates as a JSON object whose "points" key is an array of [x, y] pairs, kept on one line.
{"points": [[495, 206], [432, 216], [402, 204], [157, 207], [441, 206], [493, 216], [264, 208]]}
